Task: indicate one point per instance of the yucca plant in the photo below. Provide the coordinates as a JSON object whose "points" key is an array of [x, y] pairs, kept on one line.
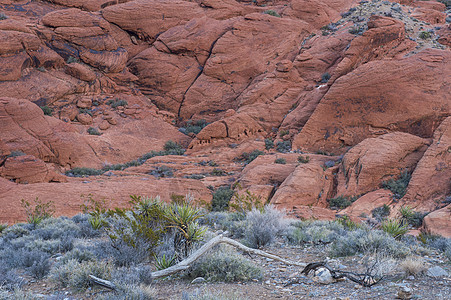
{"points": [[395, 228], [164, 262], [183, 219]]}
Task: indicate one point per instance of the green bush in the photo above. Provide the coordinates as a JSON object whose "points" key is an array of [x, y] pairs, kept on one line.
{"points": [[380, 213], [269, 144], [193, 126], [272, 13], [284, 146], [173, 148], [315, 232], [39, 211], [399, 186], [225, 265], [116, 103], [412, 217], [341, 202], [221, 199], [325, 77], [303, 160], [282, 161], [218, 172], [75, 274], [424, 35], [248, 157], [47, 110], [93, 131]]}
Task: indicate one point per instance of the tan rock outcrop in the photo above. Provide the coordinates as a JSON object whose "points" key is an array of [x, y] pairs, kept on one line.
{"points": [[438, 222]]}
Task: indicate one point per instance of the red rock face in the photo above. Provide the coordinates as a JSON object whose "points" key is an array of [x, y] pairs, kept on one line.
{"points": [[369, 81]]}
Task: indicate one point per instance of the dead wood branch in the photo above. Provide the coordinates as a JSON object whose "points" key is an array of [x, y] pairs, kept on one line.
{"points": [[102, 282], [186, 263]]}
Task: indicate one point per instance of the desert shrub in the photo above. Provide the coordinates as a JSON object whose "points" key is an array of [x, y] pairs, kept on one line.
{"points": [[221, 199], [269, 144], [262, 226], [218, 172], [130, 291], [399, 186], [225, 265], [316, 232], [162, 172], [193, 126], [242, 203], [347, 223], [380, 213], [341, 202], [78, 254], [413, 266], [367, 241], [395, 228], [76, 275], [93, 131], [16, 231], [40, 268], [248, 157], [84, 223], [281, 161], [3, 227], [133, 275], [16, 153], [39, 211], [284, 146], [46, 110], [272, 13], [208, 295], [3, 16], [83, 172], [10, 280], [325, 77], [173, 148], [411, 217], [57, 228], [116, 103], [303, 159], [424, 35]]}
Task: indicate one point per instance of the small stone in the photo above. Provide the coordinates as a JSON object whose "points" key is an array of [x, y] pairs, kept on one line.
{"points": [[198, 280], [436, 272], [323, 276], [268, 282], [104, 125], [84, 119], [404, 292]]}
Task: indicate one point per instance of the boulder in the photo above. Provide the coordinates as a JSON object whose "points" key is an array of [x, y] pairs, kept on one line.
{"points": [[359, 105], [437, 222], [374, 160], [364, 205], [29, 169], [81, 72], [430, 182]]}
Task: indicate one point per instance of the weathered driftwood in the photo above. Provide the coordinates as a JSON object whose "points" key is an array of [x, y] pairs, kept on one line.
{"points": [[102, 282], [185, 264], [362, 279]]}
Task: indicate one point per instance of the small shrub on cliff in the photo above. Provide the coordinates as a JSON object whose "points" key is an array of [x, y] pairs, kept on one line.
{"points": [[269, 144], [424, 35], [192, 126], [341, 202], [3, 16], [249, 157], [221, 199], [303, 159], [116, 103], [413, 218], [272, 13], [281, 161], [16, 153], [93, 131], [380, 213], [399, 186], [173, 148], [47, 110], [284, 146], [325, 77]]}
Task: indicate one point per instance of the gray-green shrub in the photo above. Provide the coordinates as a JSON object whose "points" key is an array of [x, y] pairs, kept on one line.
{"points": [[262, 227]]}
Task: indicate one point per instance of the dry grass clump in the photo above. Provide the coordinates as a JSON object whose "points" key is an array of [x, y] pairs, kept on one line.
{"points": [[413, 266]]}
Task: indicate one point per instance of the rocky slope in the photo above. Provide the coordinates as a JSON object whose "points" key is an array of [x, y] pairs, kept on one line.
{"points": [[361, 88]]}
